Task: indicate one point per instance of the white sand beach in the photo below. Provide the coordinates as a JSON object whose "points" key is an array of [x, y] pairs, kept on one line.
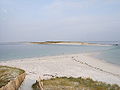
{"points": [[75, 65]]}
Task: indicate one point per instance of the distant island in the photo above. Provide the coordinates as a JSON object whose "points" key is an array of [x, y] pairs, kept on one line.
{"points": [[68, 43]]}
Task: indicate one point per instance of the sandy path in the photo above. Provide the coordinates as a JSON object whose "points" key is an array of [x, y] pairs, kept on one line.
{"points": [[76, 65]]}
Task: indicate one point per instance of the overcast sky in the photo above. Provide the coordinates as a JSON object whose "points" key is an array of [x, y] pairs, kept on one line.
{"points": [[71, 20]]}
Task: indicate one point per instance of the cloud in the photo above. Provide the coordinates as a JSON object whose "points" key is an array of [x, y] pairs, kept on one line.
{"points": [[60, 9], [3, 10], [66, 4], [3, 14]]}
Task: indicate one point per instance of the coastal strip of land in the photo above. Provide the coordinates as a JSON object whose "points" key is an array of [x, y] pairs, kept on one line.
{"points": [[74, 65], [69, 43]]}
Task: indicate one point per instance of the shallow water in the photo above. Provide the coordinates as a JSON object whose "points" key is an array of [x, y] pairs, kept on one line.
{"points": [[111, 55], [9, 51]]}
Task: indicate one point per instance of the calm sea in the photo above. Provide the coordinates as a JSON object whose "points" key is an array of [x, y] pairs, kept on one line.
{"points": [[10, 51]]}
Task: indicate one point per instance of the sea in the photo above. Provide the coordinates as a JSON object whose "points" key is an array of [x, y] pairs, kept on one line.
{"points": [[18, 50]]}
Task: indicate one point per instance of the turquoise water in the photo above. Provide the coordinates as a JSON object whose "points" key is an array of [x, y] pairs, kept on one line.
{"points": [[111, 55], [18, 51]]}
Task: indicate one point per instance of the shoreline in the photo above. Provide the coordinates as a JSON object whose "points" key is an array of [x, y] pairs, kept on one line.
{"points": [[94, 55], [89, 54], [75, 65]]}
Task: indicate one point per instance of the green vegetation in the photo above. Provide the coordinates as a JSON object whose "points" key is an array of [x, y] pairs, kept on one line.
{"points": [[8, 73], [55, 42], [64, 83]]}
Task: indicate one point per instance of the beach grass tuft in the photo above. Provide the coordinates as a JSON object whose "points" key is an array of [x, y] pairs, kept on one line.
{"points": [[70, 83]]}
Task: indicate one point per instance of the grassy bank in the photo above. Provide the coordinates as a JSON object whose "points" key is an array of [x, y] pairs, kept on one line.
{"points": [[8, 73], [64, 83]]}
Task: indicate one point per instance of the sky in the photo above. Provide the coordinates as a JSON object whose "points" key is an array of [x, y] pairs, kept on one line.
{"points": [[59, 20]]}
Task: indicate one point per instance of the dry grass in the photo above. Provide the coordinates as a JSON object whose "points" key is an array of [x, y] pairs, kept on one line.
{"points": [[64, 83], [8, 73]]}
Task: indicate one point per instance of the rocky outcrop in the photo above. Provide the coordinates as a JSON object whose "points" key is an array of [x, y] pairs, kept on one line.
{"points": [[14, 84], [38, 85]]}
